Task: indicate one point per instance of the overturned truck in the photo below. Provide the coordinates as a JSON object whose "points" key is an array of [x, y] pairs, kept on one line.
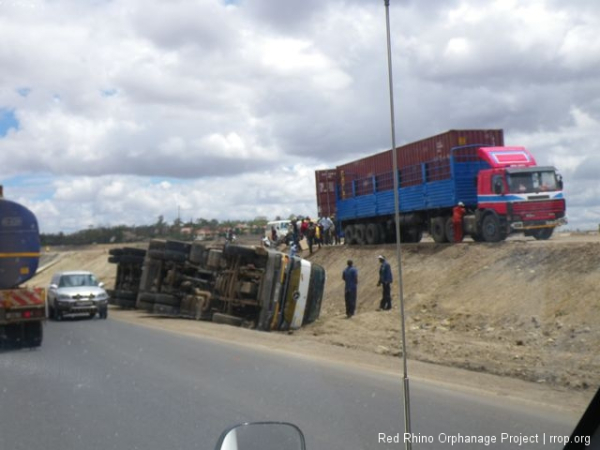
{"points": [[234, 284]]}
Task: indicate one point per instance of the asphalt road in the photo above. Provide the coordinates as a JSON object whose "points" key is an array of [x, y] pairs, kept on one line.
{"points": [[98, 384]]}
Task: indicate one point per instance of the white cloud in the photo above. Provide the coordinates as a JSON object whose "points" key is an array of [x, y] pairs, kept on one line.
{"points": [[128, 109]]}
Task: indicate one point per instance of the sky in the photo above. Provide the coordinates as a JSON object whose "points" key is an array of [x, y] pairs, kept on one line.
{"points": [[115, 112]]}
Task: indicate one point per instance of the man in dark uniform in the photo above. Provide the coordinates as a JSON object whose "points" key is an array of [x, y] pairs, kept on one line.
{"points": [[385, 280], [350, 276]]}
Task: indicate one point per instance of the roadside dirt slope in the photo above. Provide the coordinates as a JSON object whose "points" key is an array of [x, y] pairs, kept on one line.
{"points": [[520, 308]]}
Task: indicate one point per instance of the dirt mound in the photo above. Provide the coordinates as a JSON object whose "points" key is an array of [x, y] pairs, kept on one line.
{"points": [[519, 308]]}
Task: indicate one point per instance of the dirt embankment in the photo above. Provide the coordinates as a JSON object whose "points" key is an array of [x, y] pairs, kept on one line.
{"points": [[520, 308]]}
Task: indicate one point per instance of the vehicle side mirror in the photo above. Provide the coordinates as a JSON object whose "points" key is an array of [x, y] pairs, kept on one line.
{"points": [[559, 182], [53, 286], [101, 284], [498, 188], [262, 436]]}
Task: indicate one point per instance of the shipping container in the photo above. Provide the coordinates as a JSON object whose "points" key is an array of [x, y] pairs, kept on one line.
{"points": [[326, 181]]}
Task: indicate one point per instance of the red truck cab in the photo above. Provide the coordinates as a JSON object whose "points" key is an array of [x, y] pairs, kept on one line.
{"points": [[515, 194]]}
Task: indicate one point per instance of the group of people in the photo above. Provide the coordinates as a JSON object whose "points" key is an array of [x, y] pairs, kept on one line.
{"points": [[320, 232], [350, 277]]}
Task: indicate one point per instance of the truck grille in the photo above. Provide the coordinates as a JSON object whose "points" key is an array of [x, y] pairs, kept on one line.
{"points": [[553, 206]]}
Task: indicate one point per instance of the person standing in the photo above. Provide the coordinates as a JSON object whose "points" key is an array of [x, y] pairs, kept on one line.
{"points": [[273, 235], [458, 212], [350, 277], [385, 280], [310, 236]]}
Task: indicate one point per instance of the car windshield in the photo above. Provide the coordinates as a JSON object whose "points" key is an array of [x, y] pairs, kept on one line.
{"points": [[77, 280]]}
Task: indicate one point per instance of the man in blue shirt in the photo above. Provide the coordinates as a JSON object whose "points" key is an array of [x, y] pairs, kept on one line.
{"points": [[385, 280], [350, 276]]}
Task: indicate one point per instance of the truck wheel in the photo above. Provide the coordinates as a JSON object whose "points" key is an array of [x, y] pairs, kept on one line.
{"points": [[165, 309], [449, 229], [131, 259], [411, 235], [360, 232], [145, 301], [477, 237], [126, 295], [34, 334], [114, 259], [134, 251], [125, 303], [490, 229], [227, 319], [542, 234], [372, 234], [438, 230], [349, 234], [167, 299]]}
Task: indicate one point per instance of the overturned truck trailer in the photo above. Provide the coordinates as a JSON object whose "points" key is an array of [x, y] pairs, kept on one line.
{"points": [[234, 284]]}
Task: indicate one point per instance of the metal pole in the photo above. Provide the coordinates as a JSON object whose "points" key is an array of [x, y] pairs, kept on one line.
{"points": [[407, 427]]}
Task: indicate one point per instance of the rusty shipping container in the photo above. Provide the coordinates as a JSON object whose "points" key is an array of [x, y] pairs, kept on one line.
{"points": [[434, 150], [374, 172], [326, 181]]}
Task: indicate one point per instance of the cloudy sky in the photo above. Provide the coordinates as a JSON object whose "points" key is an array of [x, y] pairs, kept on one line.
{"points": [[118, 111]]}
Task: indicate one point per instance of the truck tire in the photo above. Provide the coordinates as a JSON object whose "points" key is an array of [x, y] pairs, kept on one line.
{"points": [[125, 303], [542, 234], [125, 295], [360, 232], [411, 235], [167, 299], [490, 229], [372, 234], [130, 259], [165, 309], [114, 259], [227, 319], [438, 230], [33, 334], [144, 306], [349, 235], [449, 229], [145, 300], [115, 252], [134, 251]]}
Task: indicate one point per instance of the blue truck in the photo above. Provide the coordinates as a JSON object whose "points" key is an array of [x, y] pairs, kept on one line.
{"points": [[502, 188]]}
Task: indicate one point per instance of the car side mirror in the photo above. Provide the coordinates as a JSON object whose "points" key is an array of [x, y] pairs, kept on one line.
{"points": [[53, 286], [101, 284], [262, 436]]}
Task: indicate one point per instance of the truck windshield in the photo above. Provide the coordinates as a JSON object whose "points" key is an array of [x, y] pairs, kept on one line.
{"points": [[532, 181]]}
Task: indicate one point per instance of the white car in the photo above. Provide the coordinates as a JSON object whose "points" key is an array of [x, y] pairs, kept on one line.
{"points": [[76, 293]]}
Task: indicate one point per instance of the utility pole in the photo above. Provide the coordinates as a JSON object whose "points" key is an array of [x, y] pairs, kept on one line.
{"points": [[406, 390]]}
